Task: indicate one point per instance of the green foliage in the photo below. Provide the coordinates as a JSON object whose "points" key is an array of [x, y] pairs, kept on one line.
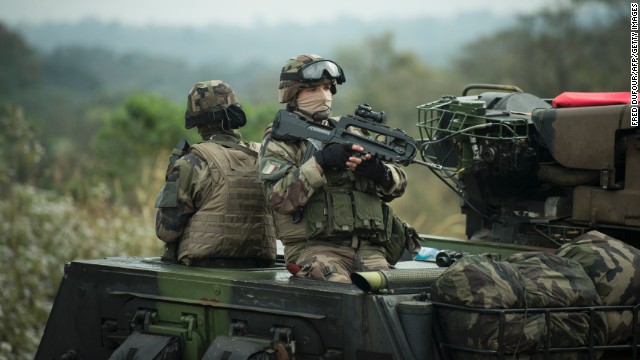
{"points": [[20, 149], [94, 71], [389, 80], [19, 66], [143, 123], [258, 118], [136, 139], [555, 50], [68, 69], [40, 231], [132, 136]]}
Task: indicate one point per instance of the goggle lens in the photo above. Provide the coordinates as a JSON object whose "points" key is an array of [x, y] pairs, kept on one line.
{"points": [[315, 70]]}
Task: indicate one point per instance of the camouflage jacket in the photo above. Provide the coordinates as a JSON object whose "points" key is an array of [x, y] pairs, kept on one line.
{"points": [[289, 184]]}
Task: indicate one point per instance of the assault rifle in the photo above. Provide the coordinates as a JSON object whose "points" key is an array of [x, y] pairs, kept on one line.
{"points": [[392, 145]]}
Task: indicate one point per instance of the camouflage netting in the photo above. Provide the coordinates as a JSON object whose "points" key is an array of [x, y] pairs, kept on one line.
{"points": [[523, 281], [614, 268]]}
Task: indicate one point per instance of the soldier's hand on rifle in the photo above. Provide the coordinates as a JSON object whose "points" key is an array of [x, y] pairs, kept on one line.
{"points": [[373, 168], [339, 156], [334, 156], [356, 158]]}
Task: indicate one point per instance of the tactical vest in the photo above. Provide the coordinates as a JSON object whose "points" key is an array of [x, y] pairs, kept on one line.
{"points": [[233, 221], [343, 207]]}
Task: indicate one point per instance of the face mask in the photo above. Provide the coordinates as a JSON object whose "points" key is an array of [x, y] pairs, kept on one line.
{"points": [[316, 104]]}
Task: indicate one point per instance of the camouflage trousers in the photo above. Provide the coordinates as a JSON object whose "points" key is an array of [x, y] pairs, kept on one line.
{"points": [[334, 262], [292, 251]]}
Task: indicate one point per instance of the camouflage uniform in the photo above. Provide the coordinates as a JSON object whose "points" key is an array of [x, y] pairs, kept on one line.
{"points": [[212, 204], [530, 280], [321, 240], [613, 267]]}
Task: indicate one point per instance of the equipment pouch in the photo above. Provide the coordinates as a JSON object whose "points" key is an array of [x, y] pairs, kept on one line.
{"points": [[329, 214], [341, 221], [403, 236], [368, 216], [315, 214]]}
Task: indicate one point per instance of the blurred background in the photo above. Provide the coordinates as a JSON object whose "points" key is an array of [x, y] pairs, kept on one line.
{"points": [[92, 100]]}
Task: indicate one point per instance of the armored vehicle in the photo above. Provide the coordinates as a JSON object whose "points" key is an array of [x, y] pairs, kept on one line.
{"points": [[538, 183]]}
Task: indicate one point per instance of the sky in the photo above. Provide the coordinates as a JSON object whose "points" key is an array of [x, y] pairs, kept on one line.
{"points": [[246, 13]]}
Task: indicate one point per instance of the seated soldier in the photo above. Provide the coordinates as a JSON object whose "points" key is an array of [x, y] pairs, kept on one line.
{"points": [[211, 210], [329, 208]]}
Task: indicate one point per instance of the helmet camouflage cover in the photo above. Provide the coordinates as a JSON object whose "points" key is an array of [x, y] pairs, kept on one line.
{"points": [[206, 98], [289, 88]]}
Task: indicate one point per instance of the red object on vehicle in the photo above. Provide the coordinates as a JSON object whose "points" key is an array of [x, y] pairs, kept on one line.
{"points": [[293, 268], [578, 99]]}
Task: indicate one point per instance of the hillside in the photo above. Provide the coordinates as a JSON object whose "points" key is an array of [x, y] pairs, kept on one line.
{"points": [[434, 39]]}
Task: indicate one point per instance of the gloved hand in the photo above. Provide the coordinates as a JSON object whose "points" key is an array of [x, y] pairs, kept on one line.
{"points": [[333, 156], [373, 169]]}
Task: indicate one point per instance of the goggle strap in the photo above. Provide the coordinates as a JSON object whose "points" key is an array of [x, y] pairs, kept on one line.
{"points": [[290, 77]]}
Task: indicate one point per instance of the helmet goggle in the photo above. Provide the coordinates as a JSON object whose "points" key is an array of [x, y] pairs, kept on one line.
{"points": [[314, 71]]}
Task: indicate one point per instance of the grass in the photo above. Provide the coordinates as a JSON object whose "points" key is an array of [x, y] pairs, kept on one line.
{"points": [[40, 231]]}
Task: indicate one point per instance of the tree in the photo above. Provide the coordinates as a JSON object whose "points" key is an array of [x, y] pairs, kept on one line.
{"points": [[20, 148], [19, 64], [389, 80], [567, 47], [131, 139]]}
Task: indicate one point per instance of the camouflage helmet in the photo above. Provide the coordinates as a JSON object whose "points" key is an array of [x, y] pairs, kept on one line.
{"points": [[205, 99], [306, 71]]}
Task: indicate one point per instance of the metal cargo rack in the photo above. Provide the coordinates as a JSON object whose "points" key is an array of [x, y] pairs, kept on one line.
{"points": [[452, 119]]}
